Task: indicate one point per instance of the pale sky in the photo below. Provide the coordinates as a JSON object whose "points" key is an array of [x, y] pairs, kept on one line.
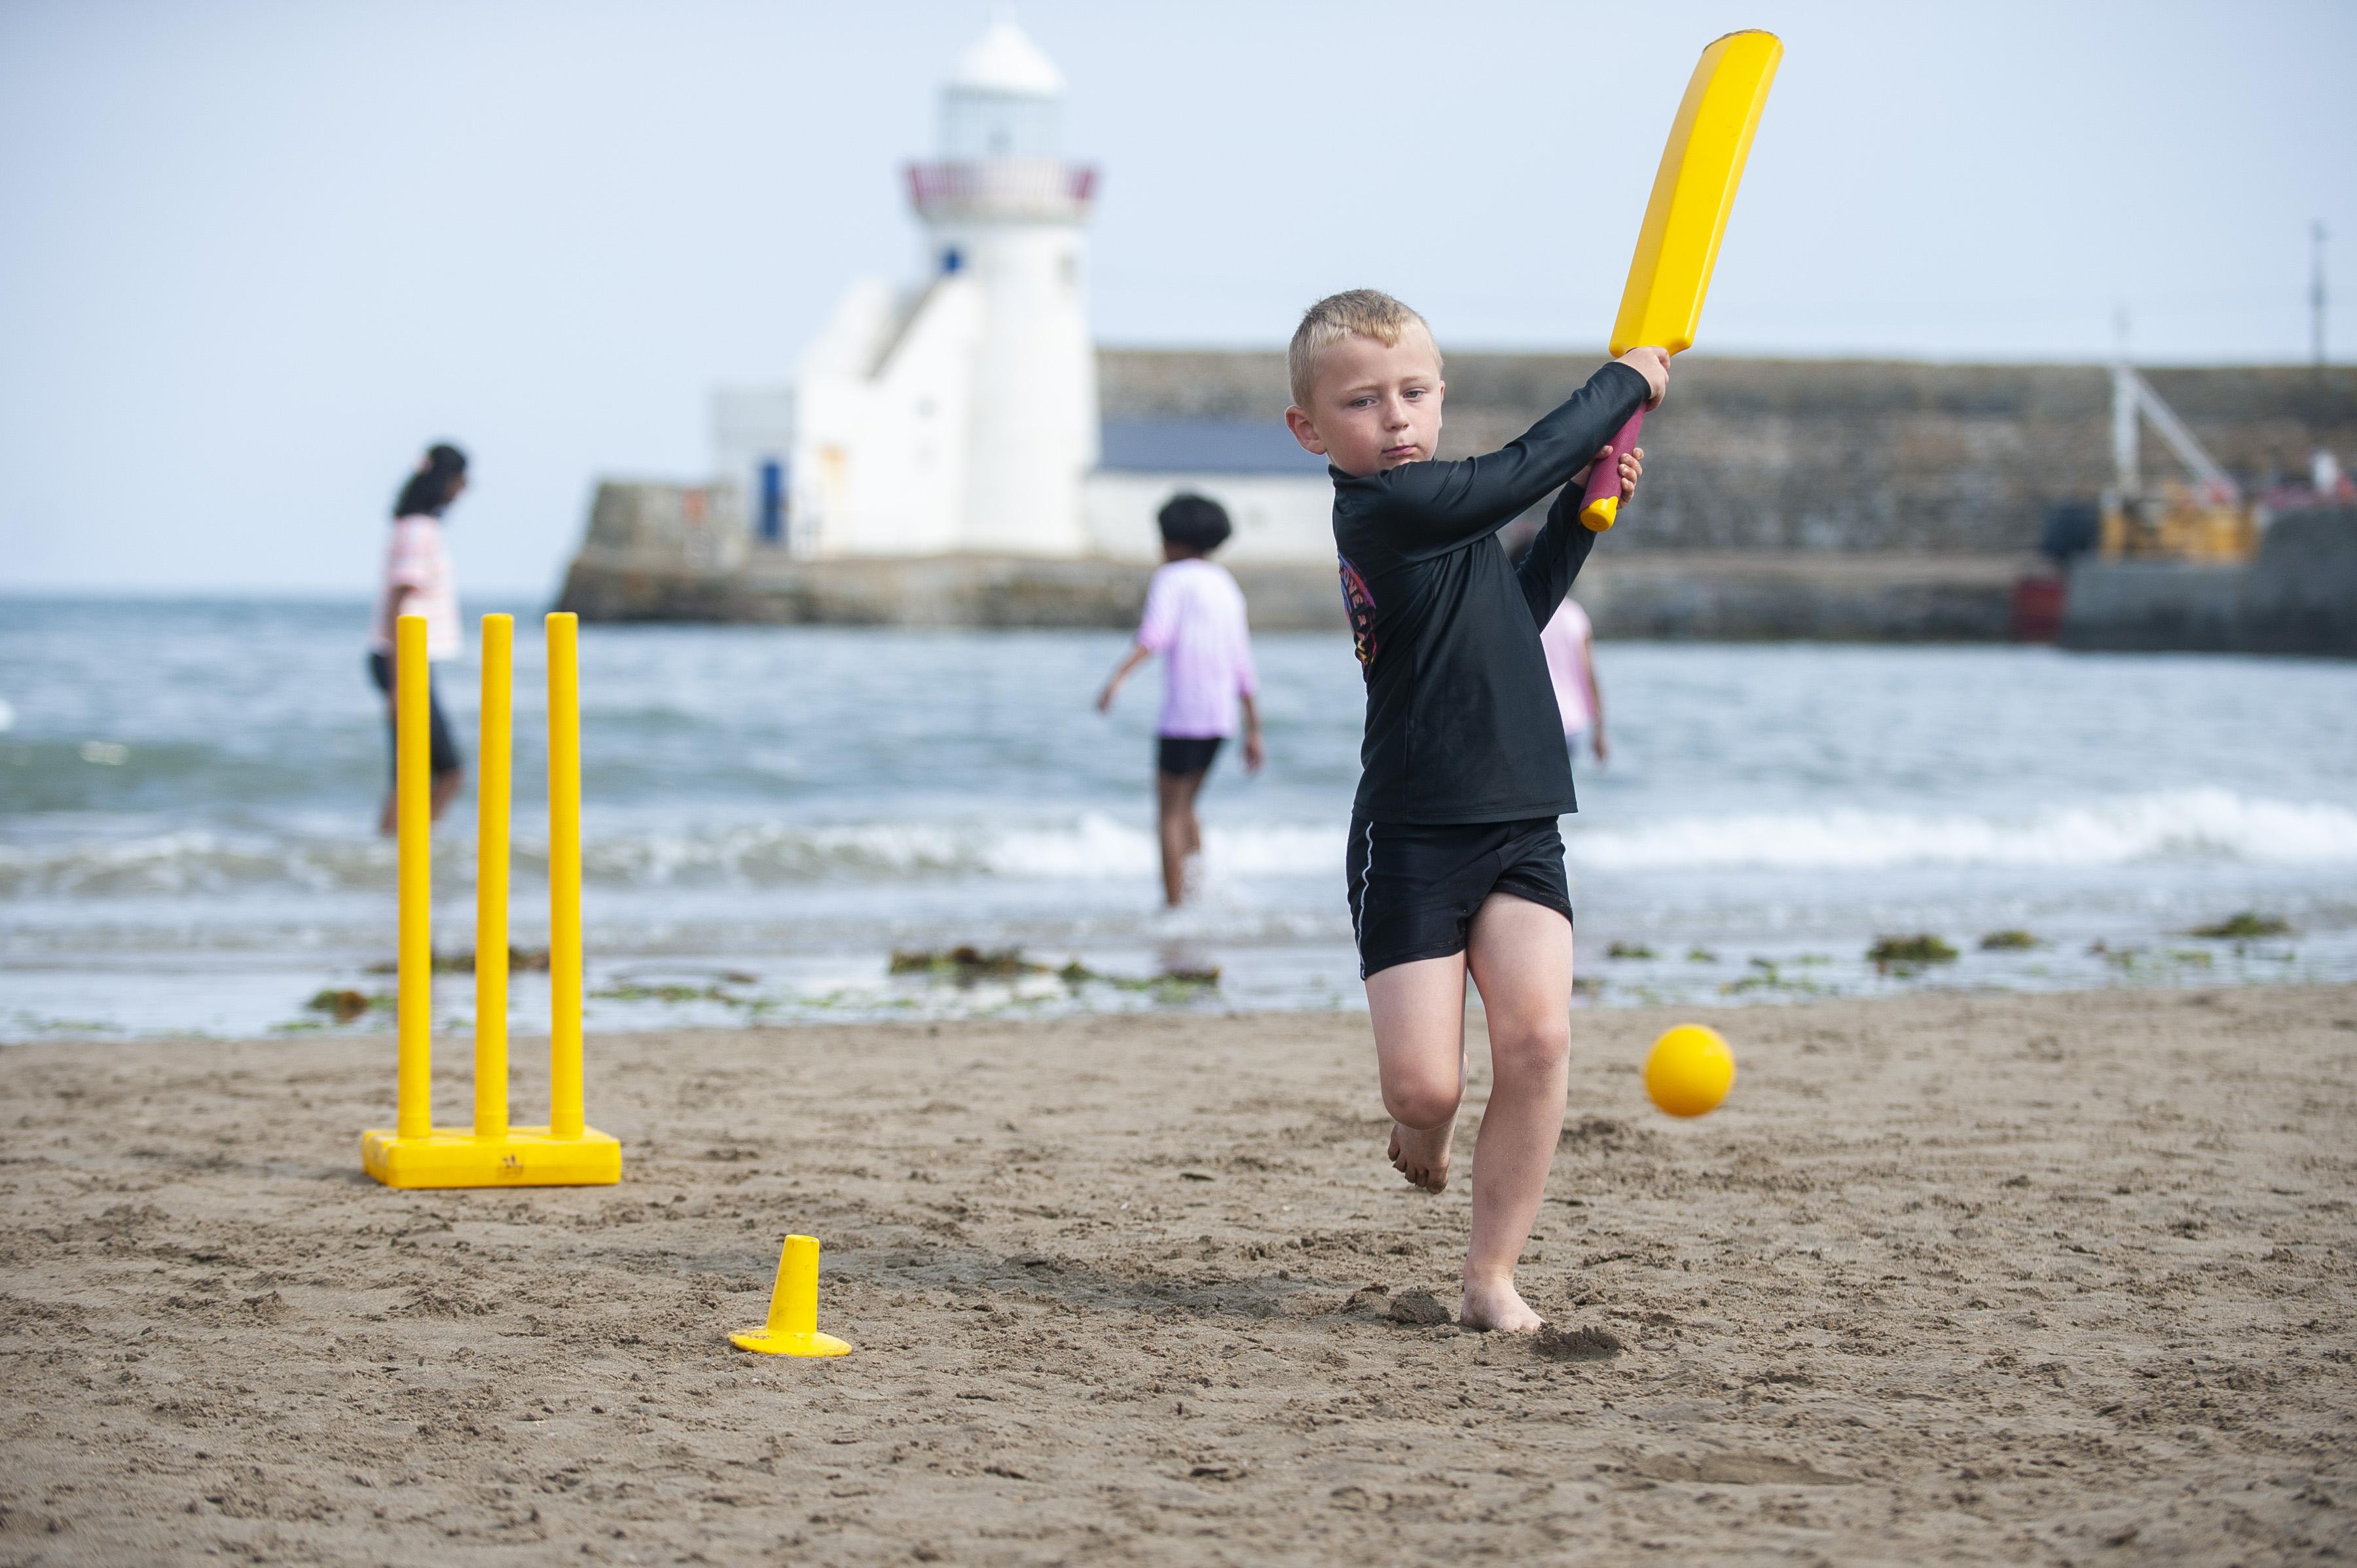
{"points": [[254, 256]]}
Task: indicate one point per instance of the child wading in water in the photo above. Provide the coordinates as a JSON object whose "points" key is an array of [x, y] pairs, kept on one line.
{"points": [[1455, 865], [1195, 617]]}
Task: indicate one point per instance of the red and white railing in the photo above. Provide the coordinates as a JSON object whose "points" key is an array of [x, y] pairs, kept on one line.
{"points": [[1007, 187]]}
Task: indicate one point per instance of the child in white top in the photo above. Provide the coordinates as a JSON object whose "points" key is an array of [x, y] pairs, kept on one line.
{"points": [[1195, 619]]}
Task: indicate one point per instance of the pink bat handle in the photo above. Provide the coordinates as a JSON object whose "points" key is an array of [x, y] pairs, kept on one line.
{"points": [[1601, 503]]}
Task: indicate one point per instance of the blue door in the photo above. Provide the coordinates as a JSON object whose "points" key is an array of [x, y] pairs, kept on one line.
{"points": [[773, 502]]}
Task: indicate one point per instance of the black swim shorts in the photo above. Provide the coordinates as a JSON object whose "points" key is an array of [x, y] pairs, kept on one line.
{"points": [[1183, 754], [1414, 890], [446, 750]]}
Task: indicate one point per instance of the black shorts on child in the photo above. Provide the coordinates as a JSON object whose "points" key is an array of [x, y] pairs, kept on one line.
{"points": [[1183, 754], [437, 729], [1415, 889]]}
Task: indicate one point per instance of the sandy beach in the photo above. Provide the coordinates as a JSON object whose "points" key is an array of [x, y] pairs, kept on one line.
{"points": [[2044, 1279]]}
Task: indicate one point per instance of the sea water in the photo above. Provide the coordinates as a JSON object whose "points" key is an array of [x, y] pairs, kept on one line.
{"points": [[188, 794]]}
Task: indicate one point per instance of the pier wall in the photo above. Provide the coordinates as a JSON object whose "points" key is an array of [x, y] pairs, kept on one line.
{"points": [[1839, 500], [1718, 596], [1839, 456]]}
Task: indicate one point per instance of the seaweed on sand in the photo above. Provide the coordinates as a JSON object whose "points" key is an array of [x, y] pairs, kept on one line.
{"points": [[345, 1004], [1177, 983], [672, 991], [461, 960], [1909, 955], [1765, 976], [966, 963], [2246, 925]]}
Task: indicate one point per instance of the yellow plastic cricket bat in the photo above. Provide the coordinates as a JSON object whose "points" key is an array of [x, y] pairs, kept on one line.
{"points": [[1693, 192]]}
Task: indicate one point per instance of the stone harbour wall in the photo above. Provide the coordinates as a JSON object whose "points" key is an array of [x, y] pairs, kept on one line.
{"points": [[1713, 596], [1827, 455]]}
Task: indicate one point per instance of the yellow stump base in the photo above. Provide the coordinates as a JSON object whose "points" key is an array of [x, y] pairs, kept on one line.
{"points": [[769, 1344], [527, 1157]]}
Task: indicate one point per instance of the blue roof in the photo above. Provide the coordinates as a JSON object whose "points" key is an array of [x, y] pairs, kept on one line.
{"points": [[1205, 446]]}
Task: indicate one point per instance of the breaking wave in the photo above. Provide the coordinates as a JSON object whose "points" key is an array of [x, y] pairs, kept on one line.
{"points": [[2184, 825], [2175, 825], [1091, 846]]}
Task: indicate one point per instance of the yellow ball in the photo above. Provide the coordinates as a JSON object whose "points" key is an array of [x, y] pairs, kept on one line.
{"points": [[1689, 1070]]}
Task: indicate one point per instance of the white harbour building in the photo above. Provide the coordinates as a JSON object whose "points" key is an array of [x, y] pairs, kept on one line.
{"points": [[958, 416]]}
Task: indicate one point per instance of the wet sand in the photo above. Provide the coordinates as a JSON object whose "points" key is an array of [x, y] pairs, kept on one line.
{"points": [[2046, 1279]]}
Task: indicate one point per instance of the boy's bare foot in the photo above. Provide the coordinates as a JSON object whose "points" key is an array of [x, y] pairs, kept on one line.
{"points": [[1496, 1303], [1423, 1157]]}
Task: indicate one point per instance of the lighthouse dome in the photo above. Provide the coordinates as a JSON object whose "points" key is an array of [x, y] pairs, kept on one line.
{"points": [[1005, 59], [1005, 100]]}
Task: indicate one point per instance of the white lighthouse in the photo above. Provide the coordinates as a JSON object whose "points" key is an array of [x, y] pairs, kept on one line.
{"points": [[960, 415]]}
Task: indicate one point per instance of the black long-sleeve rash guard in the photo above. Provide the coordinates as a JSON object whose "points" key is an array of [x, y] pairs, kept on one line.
{"points": [[1462, 719]]}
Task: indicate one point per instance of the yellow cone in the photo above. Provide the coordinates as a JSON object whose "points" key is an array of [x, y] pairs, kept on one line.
{"points": [[792, 1329]]}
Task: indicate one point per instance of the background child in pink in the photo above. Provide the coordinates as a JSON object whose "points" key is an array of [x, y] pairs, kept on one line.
{"points": [[1195, 619], [1570, 643], [418, 581]]}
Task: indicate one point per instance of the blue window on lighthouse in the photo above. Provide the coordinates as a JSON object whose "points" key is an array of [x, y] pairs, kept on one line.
{"points": [[773, 501], [952, 259]]}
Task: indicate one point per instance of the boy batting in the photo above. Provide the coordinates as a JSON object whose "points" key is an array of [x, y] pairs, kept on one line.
{"points": [[1454, 863]]}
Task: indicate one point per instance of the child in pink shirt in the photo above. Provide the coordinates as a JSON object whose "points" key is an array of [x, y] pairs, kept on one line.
{"points": [[418, 581], [1195, 619], [1569, 641]]}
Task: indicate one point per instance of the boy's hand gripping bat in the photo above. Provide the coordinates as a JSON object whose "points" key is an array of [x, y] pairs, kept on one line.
{"points": [[1693, 192]]}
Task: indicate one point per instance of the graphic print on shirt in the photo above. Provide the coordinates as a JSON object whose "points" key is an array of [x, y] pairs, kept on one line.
{"points": [[1359, 605]]}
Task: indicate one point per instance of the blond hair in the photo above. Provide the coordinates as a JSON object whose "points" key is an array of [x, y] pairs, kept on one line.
{"points": [[1354, 313]]}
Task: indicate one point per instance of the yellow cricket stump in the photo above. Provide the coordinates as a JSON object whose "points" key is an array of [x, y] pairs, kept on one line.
{"points": [[792, 1329], [565, 1152]]}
